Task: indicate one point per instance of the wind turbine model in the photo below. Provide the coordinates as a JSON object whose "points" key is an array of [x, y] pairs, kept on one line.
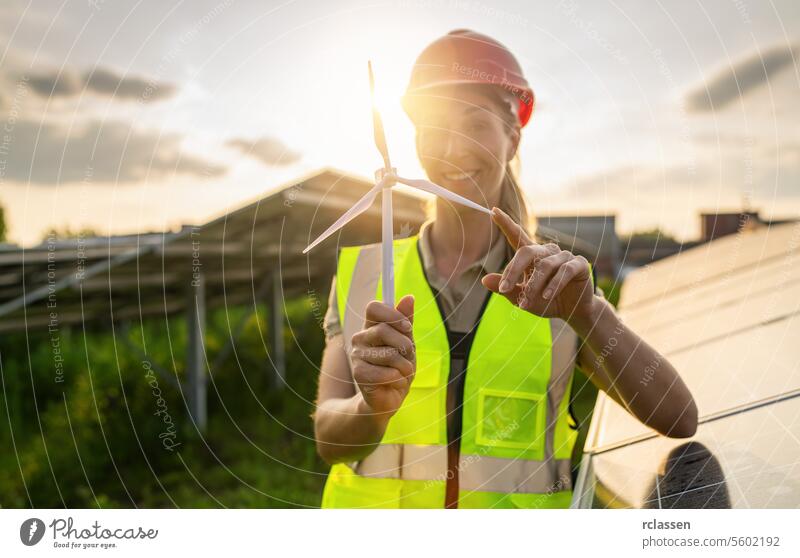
{"points": [[385, 178]]}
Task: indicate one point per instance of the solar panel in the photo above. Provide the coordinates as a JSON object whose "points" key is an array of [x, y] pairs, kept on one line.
{"points": [[710, 262], [724, 374], [726, 316]]}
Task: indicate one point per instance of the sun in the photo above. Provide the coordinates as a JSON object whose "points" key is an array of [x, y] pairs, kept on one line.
{"points": [[348, 121]]}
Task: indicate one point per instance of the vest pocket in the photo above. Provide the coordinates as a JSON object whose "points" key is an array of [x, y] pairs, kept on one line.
{"points": [[512, 419], [346, 489], [430, 369], [420, 419]]}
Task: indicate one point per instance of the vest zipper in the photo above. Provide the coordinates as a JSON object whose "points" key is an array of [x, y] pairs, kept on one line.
{"points": [[460, 346]]}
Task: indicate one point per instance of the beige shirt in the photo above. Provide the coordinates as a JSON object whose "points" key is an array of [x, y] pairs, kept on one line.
{"points": [[461, 297]]}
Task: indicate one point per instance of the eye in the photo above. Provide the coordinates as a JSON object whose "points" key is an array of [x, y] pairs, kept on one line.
{"points": [[432, 135], [476, 126]]}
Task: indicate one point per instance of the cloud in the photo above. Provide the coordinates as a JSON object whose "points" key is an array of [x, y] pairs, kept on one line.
{"points": [[98, 151], [765, 173], [269, 151], [630, 181], [52, 84], [744, 75], [104, 81], [101, 81]]}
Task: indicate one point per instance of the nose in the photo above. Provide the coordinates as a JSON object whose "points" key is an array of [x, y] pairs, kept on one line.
{"points": [[456, 144]]}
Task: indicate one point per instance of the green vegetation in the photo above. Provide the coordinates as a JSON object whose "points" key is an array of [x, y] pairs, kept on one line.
{"points": [[94, 438], [611, 289], [66, 232], [2, 224]]}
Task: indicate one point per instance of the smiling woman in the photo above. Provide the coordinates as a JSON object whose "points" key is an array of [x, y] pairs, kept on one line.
{"points": [[478, 115], [458, 394], [466, 87]]}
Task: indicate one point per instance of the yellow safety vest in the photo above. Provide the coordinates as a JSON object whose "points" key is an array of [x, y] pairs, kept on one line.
{"points": [[517, 434]]}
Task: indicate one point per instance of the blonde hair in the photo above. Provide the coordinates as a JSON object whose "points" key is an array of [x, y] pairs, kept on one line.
{"points": [[512, 198]]}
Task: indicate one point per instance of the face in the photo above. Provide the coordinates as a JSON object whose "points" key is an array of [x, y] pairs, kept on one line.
{"points": [[464, 142]]}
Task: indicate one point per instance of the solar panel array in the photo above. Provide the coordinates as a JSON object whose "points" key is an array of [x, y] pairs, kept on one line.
{"points": [[99, 280]]}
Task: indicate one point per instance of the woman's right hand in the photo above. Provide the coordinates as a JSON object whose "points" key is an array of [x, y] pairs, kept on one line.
{"points": [[383, 356]]}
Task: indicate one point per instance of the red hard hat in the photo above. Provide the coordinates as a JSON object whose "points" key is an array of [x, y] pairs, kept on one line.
{"points": [[466, 57]]}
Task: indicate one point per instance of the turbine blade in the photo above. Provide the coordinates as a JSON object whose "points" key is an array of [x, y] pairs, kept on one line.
{"points": [[431, 188], [377, 122], [358, 208]]}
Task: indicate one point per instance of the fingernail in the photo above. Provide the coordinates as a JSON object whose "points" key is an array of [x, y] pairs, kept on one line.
{"points": [[406, 325], [504, 286], [547, 294]]}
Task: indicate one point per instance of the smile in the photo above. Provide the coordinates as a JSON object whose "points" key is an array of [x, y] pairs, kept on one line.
{"points": [[460, 175]]}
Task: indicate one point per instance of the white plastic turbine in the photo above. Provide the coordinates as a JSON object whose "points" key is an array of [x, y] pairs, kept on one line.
{"points": [[386, 178]]}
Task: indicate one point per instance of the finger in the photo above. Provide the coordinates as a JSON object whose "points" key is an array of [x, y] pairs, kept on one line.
{"points": [[379, 312], [406, 308], [515, 234], [384, 335], [385, 356], [573, 269], [371, 377], [492, 282], [545, 269], [523, 259]]}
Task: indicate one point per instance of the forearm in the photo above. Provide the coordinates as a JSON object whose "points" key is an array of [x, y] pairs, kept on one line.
{"points": [[634, 373], [346, 429]]}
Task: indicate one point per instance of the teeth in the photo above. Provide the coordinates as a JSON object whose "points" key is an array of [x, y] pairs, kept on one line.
{"points": [[460, 175]]}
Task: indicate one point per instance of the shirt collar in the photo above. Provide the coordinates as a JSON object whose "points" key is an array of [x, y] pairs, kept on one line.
{"points": [[492, 262]]}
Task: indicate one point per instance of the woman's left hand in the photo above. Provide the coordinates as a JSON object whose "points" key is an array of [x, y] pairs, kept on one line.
{"points": [[542, 279]]}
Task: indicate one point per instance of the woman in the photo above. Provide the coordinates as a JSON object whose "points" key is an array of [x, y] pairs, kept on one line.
{"points": [[458, 395]]}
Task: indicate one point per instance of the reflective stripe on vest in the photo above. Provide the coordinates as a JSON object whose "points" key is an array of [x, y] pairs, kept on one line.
{"points": [[516, 441], [476, 472]]}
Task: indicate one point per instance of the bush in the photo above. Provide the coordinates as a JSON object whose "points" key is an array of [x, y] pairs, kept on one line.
{"points": [[97, 439]]}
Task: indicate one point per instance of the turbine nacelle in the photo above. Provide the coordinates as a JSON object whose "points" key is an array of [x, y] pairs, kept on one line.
{"points": [[390, 175]]}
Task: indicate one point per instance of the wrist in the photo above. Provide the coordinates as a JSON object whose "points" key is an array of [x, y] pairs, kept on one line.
{"points": [[583, 320], [378, 420]]}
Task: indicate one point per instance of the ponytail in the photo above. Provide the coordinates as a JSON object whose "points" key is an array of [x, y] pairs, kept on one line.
{"points": [[512, 198]]}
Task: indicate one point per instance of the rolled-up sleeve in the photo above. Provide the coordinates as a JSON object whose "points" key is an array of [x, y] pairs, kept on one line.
{"points": [[331, 323]]}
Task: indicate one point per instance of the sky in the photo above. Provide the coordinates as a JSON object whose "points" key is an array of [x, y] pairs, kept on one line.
{"points": [[123, 116]]}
